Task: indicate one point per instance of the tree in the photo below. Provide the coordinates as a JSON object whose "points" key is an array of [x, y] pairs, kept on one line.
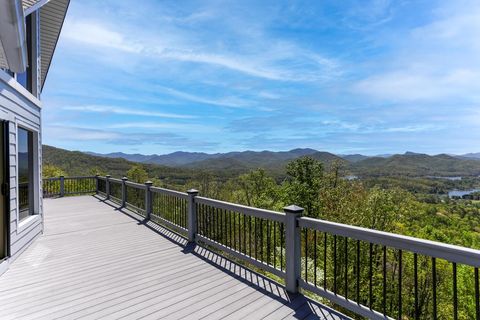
{"points": [[304, 183], [257, 189], [51, 171], [137, 174]]}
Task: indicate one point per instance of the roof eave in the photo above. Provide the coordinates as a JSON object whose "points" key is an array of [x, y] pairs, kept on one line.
{"points": [[12, 35], [36, 6]]}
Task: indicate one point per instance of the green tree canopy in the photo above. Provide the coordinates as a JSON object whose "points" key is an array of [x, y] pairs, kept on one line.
{"points": [[304, 182], [51, 171], [137, 174]]}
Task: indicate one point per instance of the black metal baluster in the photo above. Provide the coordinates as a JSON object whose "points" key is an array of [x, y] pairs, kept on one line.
{"points": [[325, 260], [274, 244], [415, 279], [346, 268], [384, 283], [455, 306], [261, 240], [358, 272], [239, 240], [244, 234], [217, 225], [239, 234], [400, 254], [306, 253], [335, 263], [255, 236], [268, 242], [281, 246], [370, 276], [315, 257], [434, 286], [250, 236], [477, 295]]}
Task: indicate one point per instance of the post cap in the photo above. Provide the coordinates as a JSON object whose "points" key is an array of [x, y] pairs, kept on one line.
{"points": [[124, 178], [192, 191], [107, 176], [149, 183], [293, 209], [62, 176]]}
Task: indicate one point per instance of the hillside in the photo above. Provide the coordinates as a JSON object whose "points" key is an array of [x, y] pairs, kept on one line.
{"points": [[76, 163], [273, 162], [475, 156], [415, 164]]}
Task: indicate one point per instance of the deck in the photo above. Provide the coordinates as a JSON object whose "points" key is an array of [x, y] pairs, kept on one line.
{"points": [[96, 261]]}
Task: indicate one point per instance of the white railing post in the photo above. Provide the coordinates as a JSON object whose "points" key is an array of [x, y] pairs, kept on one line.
{"points": [[62, 186], [292, 248], [192, 215], [107, 186], [124, 192], [148, 200]]}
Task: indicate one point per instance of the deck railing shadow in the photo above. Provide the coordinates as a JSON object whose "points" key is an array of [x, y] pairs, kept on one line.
{"points": [[255, 280]]}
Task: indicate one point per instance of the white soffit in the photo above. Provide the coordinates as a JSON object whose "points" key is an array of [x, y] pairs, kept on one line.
{"points": [[3, 59], [52, 15]]}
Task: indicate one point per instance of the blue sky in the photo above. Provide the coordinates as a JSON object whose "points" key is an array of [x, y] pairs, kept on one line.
{"points": [[364, 76]]}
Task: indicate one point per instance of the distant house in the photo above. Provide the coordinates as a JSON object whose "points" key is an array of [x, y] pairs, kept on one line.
{"points": [[29, 31]]}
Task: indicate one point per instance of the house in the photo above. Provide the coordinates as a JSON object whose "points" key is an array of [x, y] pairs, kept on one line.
{"points": [[29, 31]]}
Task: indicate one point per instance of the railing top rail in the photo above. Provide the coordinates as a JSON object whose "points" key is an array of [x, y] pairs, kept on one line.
{"points": [[435, 249], [79, 177], [250, 211], [102, 178], [115, 180], [135, 185], [174, 193]]}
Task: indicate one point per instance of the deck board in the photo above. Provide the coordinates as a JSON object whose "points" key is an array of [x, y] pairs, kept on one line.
{"points": [[95, 261]]}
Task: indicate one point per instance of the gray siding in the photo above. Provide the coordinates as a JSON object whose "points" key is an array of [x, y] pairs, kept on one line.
{"points": [[19, 110]]}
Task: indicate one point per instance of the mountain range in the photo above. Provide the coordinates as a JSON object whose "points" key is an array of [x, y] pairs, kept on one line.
{"points": [[407, 164]]}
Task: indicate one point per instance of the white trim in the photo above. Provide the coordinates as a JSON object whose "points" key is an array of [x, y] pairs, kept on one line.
{"points": [[4, 264], [5, 77], [13, 36], [36, 6], [26, 223], [36, 214]]}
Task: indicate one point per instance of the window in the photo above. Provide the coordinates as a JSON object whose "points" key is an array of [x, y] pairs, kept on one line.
{"points": [[25, 173]]}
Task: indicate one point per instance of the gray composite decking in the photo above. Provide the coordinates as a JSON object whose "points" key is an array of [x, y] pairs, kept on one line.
{"points": [[95, 261]]}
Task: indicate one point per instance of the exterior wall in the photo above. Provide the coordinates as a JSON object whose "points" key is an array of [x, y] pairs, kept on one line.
{"points": [[21, 109]]}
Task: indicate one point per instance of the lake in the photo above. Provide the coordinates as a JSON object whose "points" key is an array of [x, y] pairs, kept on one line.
{"points": [[461, 193]]}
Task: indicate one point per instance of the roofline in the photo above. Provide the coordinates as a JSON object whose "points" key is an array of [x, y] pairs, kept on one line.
{"points": [[55, 47], [17, 58], [36, 6]]}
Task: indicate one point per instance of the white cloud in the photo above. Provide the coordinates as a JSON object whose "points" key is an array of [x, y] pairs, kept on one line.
{"points": [[180, 127], [233, 102], [127, 111], [94, 34], [271, 59], [434, 62]]}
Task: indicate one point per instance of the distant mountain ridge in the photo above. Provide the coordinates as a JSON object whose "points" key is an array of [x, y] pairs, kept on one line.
{"points": [[407, 164], [182, 158], [471, 155]]}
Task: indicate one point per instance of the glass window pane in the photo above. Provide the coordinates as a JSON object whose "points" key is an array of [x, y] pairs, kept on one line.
{"points": [[25, 172]]}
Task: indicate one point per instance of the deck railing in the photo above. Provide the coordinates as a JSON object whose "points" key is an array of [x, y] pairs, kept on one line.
{"points": [[374, 274]]}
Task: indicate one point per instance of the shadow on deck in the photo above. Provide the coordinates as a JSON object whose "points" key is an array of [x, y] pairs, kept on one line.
{"points": [[97, 261]]}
